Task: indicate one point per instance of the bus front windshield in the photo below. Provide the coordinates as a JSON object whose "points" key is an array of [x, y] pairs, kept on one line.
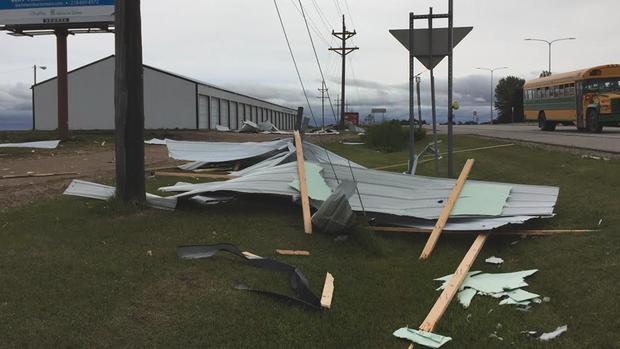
{"points": [[602, 85]]}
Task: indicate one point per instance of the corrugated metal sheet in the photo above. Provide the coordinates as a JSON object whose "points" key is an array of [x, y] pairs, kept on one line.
{"points": [[393, 194], [105, 192], [222, 151]]}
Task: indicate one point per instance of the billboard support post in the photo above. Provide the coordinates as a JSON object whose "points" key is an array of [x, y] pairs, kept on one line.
{"points": [[60, 18], [62, 84]]}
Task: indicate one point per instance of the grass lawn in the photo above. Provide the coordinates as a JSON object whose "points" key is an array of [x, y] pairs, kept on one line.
{"points": [[75, 272]]}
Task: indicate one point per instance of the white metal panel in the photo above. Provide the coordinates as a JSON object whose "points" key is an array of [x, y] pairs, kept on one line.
{"points": [[215, 112], [224, 115], [234, 116], [169, 102], [203, 112]]}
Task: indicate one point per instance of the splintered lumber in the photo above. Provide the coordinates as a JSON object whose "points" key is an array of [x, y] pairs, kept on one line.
{"points": [[292, 253], [442, 303], [525, 232], [447, 209], [251, 255], [328, 292], [303, 185], [194, 175], [453, 285], [36, 175]]}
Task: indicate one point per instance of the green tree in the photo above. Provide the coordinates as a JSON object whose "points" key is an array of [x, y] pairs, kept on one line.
{"points": [[509, 99], [544, 74]]}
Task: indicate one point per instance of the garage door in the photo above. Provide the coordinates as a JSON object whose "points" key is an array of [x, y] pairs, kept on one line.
{"points": [[203, 112]]}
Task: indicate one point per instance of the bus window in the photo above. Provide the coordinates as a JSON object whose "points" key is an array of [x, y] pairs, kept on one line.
{"points": [[561, 90], [538, 93], [547, 94], [556, 91], [572, 89]]}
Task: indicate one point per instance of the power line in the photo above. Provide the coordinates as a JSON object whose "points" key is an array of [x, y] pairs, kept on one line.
{"points": [[312, 24], [346, 3], [338, 8], [322, 15], [316, 56], [288, 43]]}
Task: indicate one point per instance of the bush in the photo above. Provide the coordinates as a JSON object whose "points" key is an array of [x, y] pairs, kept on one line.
{"points": [[390, 136]]}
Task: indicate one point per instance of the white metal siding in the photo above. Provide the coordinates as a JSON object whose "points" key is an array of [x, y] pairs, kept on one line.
{"points": [[215, 113], [169, 102], [203, 118]]}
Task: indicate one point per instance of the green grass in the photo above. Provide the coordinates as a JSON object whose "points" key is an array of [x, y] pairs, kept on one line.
{"points": [[75, 272]]}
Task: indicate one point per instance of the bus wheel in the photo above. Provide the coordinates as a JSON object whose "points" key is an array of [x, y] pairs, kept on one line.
{"points": [[594, 126], [543, 124]]}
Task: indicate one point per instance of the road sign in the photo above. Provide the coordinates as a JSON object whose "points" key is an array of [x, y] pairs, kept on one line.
{"points": [[379, 110], [51, 12], [421, 45]]}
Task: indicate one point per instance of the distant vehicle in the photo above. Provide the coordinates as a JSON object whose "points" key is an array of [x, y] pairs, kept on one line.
{"points": [[587, 98]]}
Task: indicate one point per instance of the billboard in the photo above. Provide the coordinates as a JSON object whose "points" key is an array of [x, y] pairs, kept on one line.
{"points": [[55, 12]]}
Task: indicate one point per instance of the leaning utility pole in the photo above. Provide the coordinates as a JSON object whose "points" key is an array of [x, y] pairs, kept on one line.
{"points": [[323, 89], [343, 52], [129, 103]]}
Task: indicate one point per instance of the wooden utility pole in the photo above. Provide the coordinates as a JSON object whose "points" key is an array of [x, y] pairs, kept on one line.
{"points": [[62, 84], [129, 103], [323, 89], [343, 52]]}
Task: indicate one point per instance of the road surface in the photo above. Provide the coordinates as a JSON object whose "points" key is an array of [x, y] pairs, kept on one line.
{"points": [[565, 136]]}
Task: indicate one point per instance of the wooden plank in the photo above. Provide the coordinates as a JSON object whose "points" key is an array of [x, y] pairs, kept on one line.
{"points": [[525, 232], [194, 175], [292, 252], [251, 255], [453, 285], [447, 209], [303, 185], [162, 168], [36, 175], [456, 151], [328, 292]]}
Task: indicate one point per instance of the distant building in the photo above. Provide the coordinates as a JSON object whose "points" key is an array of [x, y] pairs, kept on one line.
{"points": [[171, 101]]}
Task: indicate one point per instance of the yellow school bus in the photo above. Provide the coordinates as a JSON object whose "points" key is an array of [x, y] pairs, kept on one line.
{"points": [[587, 98]]}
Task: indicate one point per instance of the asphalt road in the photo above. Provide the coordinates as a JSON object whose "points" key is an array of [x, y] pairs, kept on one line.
{"points": [[566, 136]]}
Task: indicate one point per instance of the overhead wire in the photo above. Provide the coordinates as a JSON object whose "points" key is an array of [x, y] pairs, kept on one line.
{"points": [[288, 43], [316, 56], [312, 24]]}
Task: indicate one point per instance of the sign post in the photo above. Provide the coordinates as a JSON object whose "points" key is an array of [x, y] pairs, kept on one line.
{"points": [[60, 18], [430, 46]]}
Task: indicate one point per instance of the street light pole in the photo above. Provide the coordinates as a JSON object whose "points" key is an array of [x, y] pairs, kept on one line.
{"points": [[35, 67], [492, 70], [549, 43]]}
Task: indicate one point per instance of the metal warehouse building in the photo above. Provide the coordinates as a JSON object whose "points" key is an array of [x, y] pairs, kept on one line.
{"points": [[171, 101]]}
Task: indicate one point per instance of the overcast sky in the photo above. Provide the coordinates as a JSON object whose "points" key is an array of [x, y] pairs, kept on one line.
{"points": [[239, 44]]}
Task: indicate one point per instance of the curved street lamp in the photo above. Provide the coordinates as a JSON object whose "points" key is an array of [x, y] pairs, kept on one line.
{"points": [[35, 67], [550, 43], [492, 70]]}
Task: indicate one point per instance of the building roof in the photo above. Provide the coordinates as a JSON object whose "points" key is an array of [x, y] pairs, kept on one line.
{"points": [[179, 76]]}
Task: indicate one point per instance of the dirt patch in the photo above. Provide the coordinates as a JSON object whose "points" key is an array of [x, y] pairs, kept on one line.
{"points": [[94, 161]]}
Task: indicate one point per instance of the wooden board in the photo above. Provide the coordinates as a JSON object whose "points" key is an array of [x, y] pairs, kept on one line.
{"points": [[303, 185], [37, 175], [524, 232], [453, 285], [292, 252], [328, 292], [454, 152], [194, 175], [447, 209]]}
